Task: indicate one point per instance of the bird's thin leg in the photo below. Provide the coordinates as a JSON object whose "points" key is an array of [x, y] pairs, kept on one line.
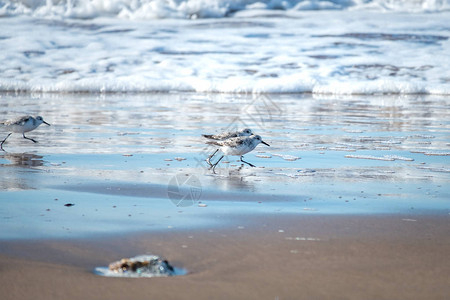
{"points": [[28, 138], [214, 166], [1, 145], [246, 162], [208, 160]]}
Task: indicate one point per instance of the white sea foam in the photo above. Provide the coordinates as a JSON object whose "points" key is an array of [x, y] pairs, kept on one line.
{"points": [[287, 157], [437, 153], [385, 157], [158, 9], [322, 47], [370, 157]]}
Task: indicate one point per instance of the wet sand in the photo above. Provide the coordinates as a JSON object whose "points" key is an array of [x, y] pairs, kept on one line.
{"points": [[311, 257], [349, 202]]}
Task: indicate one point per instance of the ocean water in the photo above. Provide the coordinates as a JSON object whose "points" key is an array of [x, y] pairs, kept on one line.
{"points": [[226, 46]]}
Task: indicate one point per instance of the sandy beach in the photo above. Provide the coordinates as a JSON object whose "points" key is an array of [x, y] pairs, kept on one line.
{"points": [[373, 257], [348, 205]]}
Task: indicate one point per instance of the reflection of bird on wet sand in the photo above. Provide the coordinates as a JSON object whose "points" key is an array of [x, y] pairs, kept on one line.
{"points": [[12, 171], [23, 159], [22, 125], [234, 180]]}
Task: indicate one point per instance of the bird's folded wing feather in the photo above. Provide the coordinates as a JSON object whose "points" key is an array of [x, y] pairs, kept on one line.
{"points": [[19, 121], [216, 143]]}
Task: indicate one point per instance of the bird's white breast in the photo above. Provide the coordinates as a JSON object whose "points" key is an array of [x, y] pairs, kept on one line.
{"points": [[239, 150]]}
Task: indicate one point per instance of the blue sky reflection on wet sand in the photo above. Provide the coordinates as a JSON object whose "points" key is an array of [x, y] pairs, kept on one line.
{"points": [[113, 156]]}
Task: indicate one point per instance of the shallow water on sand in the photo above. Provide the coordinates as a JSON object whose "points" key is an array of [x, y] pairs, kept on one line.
{"points": [[137, 162]]}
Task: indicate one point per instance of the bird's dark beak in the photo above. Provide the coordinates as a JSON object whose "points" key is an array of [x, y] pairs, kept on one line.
{"points": [[46, 123], [265, 143]]}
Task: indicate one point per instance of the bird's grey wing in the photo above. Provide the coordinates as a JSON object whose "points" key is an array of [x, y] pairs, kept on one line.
{"points": [[240, 141], [18, 121], [209, 136], [233, 134], [221, 136], [233, 142], [215, 143]]}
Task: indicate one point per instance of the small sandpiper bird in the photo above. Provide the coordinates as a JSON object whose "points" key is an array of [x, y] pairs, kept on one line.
{"points": [[237, 146], [22, 125], [224, 136]]}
